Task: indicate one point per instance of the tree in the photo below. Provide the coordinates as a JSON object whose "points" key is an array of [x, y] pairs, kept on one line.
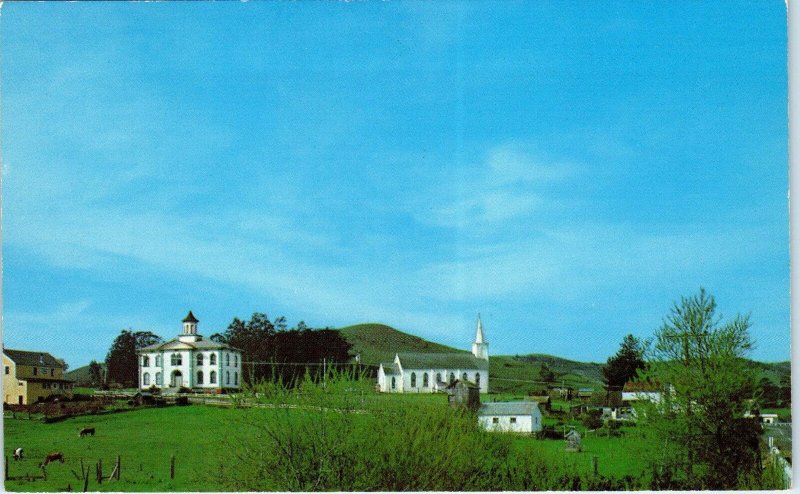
{"points": [[122, 363], [699, 426], [545, 374], [96, 373], [63, 363], [625, 364]]}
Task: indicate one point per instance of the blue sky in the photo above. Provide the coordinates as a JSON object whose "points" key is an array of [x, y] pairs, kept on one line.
{"points": [[568, 169]]}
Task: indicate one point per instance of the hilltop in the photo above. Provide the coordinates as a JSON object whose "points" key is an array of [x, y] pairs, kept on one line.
{"points": [[81, 375], [378, 343]]}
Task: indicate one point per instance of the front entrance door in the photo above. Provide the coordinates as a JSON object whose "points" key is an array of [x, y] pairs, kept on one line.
{"points": [[177, 379], [21, 399]]}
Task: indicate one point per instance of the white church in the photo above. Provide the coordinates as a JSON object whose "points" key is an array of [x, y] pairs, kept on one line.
{"points": [[190, 361], [431, 372]]}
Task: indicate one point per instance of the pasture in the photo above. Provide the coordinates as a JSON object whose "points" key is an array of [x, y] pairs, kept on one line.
{"points": [[199, 438]]}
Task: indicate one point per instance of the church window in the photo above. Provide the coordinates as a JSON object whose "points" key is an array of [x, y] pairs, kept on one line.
{"points": [[235, 378], [213, 377], [227, 377], [495, 420], [438, 377], [159, 380], [227, 359], [145, 361], [199, 377], [464, 377], [413, 380], [176, 359], [394, 383], [199, 359], [425, 380], [212, 359], [146, 379], [478, 379], [452, 378]]}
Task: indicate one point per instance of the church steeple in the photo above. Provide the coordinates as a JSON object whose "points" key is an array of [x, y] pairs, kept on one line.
{"points": [[480, 348], [189, 333]]}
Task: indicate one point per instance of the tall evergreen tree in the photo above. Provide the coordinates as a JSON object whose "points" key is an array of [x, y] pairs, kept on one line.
{"points": [[623, 366], [122, 363]]}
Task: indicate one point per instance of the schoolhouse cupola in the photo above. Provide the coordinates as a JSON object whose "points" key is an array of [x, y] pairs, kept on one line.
{"points": [[190, 329]]}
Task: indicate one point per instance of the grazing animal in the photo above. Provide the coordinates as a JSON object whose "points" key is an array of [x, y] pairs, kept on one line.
{"points": [[86, 431], [18, 454], [52, 457]]}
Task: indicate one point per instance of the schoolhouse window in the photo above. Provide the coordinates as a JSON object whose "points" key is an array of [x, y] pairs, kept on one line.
{"points": [[145, 361], [425, 380], [199, 377], [213, 377], [227, 377], [235, 378], [413, 380], [227, 359], [146, 379], [213, 359], [199, 359], [158, 360], [235, 360], [159, 381], [176, 359]]}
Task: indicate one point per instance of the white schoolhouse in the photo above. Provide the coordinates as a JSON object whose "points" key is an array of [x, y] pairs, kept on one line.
{"points": [[190, 361], [431, 372]]}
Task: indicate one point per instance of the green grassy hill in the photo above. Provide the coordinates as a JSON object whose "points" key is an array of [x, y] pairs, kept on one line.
{"points": [[378, 343], [81, 375]]}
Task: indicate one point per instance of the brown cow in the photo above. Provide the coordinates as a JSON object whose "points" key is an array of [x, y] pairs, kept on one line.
{"points": [[86, 431], [52, 457]]}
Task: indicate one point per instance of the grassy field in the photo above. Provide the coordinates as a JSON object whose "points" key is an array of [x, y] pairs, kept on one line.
{"points": [[147, 438]]}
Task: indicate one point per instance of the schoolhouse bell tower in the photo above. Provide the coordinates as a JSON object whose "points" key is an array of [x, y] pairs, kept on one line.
{"points": [[190, 329]]}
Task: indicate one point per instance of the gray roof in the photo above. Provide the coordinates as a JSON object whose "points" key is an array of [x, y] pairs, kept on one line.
{"points": [[390, 369], [197, 345], [22, 357], [509, 408], [464, 361]]}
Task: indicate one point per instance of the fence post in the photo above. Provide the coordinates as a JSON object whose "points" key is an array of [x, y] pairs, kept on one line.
{"points": [[85, 477], [172, 467]]}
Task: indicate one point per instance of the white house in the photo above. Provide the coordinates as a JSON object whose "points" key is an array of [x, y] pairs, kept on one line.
{"points": [[641, 391], [511, 416], [431, 372], [190, 361]]}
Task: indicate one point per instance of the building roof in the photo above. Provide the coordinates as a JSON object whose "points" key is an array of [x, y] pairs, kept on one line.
{"points": [[463, 361], [45, 380], [23, 357], [539, 399], [190, 318], [176, 344], [390, 369], [509, 408]]}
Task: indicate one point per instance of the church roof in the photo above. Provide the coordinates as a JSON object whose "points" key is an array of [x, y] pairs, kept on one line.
{"points": [[23, 357], [390, 369], [176, 344], [509, 408], [462, 361], [190, 318]]}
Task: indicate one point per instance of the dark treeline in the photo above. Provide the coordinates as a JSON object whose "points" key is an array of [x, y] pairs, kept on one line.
{"points": [[271, 350]]}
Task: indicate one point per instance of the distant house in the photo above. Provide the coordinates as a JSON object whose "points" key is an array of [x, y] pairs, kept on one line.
{"points": [[190, 361], [641, 391], [432, 372], [32, 376], [585, 393], [511, 416], [766, 418]]}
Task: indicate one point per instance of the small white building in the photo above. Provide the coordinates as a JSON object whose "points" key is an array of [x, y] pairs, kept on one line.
{"points": [[431, 372], [190, 361], [641, 391], [511, 416]]}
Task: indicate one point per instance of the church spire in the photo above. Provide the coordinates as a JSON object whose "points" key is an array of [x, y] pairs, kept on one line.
{"points": [[480, 348]]}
